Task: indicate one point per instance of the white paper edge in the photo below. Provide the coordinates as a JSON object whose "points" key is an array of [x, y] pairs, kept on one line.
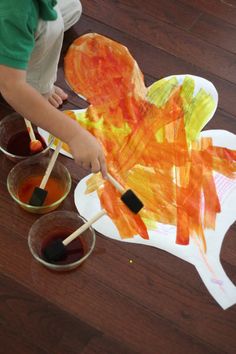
{"points": [[224, 220], [217, 282]]}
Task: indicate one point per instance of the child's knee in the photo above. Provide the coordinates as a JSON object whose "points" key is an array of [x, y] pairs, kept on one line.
{"points": [[78, 9], [72, 13]]}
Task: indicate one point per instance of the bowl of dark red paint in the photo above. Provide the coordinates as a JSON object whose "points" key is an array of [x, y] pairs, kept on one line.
{"points": [[15, 140], [59, 225]]}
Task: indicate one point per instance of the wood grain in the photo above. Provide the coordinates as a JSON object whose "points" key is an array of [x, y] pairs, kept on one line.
{"points": [[157, 303], [225, 10], [214, 31]]}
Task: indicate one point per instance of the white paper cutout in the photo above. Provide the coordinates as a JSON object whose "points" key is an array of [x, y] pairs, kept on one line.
{"points": [[208, 265], [217, 282], [212, 273]]}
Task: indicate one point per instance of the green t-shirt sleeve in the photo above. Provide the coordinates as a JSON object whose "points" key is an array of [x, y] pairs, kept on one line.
{"points": [[16, 40]]}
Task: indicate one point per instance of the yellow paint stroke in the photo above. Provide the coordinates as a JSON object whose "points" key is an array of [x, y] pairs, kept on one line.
{"points": [[150, 139]]}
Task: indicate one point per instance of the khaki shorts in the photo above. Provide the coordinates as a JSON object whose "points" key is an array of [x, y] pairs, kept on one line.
{"points": [[42, 69]]}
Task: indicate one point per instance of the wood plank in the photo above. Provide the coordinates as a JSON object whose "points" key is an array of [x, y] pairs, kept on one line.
{"points": [[216, 32], [5, 109], [107, 345], [222, 120], [32, 319], [12, 343], [225, 10], [164, 36], [169, 11], [227, 255]]}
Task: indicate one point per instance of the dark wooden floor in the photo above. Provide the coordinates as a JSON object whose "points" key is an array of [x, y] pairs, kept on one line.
{"points": [[157, 304]]}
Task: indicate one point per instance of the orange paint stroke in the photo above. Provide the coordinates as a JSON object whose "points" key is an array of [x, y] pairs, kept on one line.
{"points": [[145, 146]]}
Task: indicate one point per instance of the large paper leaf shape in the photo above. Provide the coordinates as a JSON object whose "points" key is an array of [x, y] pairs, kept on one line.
{"points": [[152, 142]]}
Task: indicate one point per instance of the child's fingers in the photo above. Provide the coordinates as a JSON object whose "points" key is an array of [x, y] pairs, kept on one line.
{"points": [[103, 167], [85, 165], [95, 166], [99, 165]]}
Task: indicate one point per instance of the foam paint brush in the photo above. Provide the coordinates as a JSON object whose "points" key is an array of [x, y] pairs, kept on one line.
{"points": [[40, 193], [35, 144], [128, 197], [56, 250]]}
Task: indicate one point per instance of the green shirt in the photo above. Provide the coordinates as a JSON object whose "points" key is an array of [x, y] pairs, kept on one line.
{"points": [[18, 23]]}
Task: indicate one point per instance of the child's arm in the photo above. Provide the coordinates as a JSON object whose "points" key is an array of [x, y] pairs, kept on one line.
{"points": [[85, 148]]}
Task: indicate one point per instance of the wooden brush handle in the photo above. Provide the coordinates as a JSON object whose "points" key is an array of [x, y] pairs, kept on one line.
{"points": [[50, 165], [84, 227], [115, 184], [30, 129]]}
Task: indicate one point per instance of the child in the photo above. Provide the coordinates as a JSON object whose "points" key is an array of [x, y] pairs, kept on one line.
{"points": [[31, 36]]}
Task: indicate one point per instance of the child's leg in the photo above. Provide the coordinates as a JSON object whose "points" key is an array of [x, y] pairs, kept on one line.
{"points": [[71, 11], [42, 69]]}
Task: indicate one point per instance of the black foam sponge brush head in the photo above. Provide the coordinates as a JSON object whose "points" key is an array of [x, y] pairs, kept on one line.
{"points": [[55, 251], [132, 201], [38, 197]]}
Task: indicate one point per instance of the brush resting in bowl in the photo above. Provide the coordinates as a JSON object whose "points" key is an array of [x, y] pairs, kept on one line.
{"points": [[20, 144], [74, 251], [54, 187]]}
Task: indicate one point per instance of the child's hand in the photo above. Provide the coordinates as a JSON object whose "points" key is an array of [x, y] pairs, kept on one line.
{"points": [[88, 152], [85, 148]]}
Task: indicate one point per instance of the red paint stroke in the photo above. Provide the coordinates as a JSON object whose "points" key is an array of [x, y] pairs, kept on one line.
{"points": [[171, 177]]}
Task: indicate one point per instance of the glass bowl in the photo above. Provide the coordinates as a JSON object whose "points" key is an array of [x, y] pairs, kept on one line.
{"points": [[13, 127], [60, 224], [27, 174]]}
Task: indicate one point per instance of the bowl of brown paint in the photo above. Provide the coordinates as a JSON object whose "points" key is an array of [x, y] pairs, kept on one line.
{"points": [[59, 225], [28, 174], [15, 140]]}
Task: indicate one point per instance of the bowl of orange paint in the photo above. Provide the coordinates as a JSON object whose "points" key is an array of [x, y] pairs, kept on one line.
{"points": [[27, 174], [15, 140]]}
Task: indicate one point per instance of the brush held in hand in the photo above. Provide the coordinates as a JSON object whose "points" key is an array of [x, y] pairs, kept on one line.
{"points": [[40, 193], [128, 197], [56, 250], [35, 144]]}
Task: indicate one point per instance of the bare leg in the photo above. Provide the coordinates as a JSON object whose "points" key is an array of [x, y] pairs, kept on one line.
{"points": [[42, 70], [56, 96]]}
